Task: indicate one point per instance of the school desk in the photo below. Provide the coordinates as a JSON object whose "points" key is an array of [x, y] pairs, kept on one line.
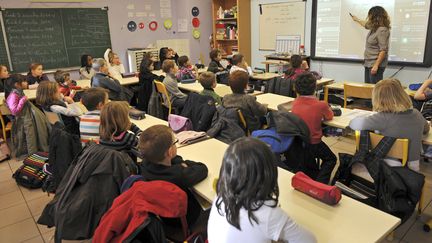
{"points": [[273, 100], [265, 76], [221, 89], [349, 114], [148, 121], [124, 81], [349, 221], [340, 86]]}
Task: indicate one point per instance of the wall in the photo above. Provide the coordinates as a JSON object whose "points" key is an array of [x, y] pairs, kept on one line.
{"points": [[122, 39], [337, 70]]}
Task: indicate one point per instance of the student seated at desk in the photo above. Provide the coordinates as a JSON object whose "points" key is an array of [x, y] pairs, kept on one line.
{"points": [[239, 63], [396, 118], [35, 75], [14, 93], [166, 53], [146, 82], [313, 112], [252, 110], [49, 98], [65, 83], [93, 99], [186, 70], [247, 210], [115, 67], [298, 66], [102, 79], [157, 146], [178, 98], [4, 75], [215, 57], [208, 81], [116, 130], [86, 71]]}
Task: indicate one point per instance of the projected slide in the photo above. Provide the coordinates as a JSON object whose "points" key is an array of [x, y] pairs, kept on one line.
{"points": [[337, 36]]}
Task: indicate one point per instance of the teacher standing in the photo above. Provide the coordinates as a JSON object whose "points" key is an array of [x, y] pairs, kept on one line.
{"points": [[377, 43]]}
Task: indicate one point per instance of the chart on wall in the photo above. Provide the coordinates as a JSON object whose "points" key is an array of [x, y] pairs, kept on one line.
{"points": [[55, 37], [280, 19], [181, 46], [338, 37]]}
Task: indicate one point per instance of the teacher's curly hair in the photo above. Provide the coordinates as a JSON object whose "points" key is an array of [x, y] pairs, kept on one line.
{"points": [[377, 17]]}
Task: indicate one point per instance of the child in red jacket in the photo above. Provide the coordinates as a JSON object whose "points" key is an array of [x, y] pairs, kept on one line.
{"points": [[313, 112], [66, 85]]}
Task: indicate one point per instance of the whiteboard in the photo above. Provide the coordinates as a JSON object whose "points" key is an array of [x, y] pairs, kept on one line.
{"points": [[280, 19]]}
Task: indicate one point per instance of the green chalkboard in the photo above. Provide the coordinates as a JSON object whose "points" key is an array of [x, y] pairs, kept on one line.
{"points": [[55, 37], [3, 53]]}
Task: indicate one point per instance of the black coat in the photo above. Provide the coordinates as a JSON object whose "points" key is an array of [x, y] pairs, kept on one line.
{"points": [[146, 82], [63, 147], [115, 90], [32, 80], [200, 110], [86, 192], [226, 125]]}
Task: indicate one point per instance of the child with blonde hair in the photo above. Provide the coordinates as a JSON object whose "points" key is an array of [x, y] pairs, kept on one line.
{"points": [[395, 117]]}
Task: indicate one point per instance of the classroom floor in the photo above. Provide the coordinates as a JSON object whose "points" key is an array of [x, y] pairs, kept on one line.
{"points": [[20, 208]]}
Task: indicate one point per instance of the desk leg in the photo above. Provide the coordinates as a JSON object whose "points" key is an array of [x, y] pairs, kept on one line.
{"points": [[267, 68], [326, 90]]}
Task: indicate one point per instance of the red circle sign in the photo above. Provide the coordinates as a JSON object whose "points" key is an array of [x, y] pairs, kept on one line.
{"points": [[141, 25], [195, 22], [153, 25]]}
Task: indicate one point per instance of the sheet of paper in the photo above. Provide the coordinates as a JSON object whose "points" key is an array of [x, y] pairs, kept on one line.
{"points": [[130, 6], [130, 14], [165, 3], [141, 14], [182, 25], [165, 13], [152, 15], [147, 7]]}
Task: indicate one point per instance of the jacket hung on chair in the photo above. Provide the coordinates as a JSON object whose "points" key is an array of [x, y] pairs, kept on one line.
{"points": [[146, 83], [30, 131], [281, 86], [225, 125], [252, 110], [200, 110], [287, 123], [63, 147], [86, 192], [129, 213]]}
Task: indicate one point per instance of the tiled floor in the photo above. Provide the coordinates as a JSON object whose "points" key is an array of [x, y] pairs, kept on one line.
{"points": [[20, 208]]}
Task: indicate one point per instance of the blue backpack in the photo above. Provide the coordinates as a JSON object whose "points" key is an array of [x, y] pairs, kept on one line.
{"points": [[278, 143]]}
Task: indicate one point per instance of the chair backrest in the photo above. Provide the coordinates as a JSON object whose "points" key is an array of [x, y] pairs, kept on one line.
{"points": [[53, 117], [357, 91], [161, 89], [243, 122], [399, 150]]}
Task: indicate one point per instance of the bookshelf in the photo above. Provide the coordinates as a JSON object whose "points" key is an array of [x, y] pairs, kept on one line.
{"points": [[231, 30]]}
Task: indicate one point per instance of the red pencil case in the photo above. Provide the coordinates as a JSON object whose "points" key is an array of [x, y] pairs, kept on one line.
{"points": [[328, 194]]}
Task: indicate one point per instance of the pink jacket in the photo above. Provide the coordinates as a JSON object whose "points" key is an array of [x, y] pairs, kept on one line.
{"points": [[15, 102]]}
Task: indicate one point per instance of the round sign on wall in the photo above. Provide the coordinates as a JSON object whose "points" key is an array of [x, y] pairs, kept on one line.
{"points": [[168, 24], [141, 25], [196, 22], [132, 26], [195, 11], [153, 25], [196, 33]]}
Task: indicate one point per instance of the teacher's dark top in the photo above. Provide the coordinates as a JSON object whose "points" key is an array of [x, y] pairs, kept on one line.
{"points": [[376, 42]]}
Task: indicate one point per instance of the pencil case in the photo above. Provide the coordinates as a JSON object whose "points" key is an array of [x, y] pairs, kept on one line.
{"points": [[327, 194]]}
